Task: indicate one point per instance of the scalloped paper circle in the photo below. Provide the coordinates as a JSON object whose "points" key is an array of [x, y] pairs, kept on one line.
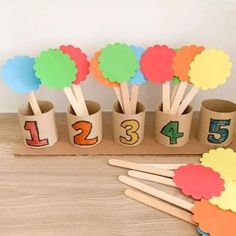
{"points": [[80, 59], [118, 62], [210, 69], [227, 200], [213, 220], [198, 181], [138, 78], [97, 74], [18, 73], [156, 64], [55, 69], [222, 161], [183, 59]]}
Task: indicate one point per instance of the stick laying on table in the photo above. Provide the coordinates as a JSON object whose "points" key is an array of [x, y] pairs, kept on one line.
{"points": [[156, 193], [141, 167], [159, 205]]}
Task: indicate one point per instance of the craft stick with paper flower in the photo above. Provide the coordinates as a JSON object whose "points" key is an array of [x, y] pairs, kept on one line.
{"points": [[156, 65], [118, 63], [18, 73], [208, 70], [181, 65], [56, 70], [137, 80], [98, 76], [82, 65]]}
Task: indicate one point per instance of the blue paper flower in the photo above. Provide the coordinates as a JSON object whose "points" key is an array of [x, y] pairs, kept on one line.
{"points": [[202, 233]]}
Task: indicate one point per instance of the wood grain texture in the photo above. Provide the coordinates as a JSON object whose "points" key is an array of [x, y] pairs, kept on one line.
{"points": [[75, 195]]}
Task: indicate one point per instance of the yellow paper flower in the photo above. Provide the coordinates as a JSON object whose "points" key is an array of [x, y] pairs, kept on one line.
{"points": [[210, 69], [222, 161], [227, 199]]}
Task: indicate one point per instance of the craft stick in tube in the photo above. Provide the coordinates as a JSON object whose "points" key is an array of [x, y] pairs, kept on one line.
{"points": [[156, 65], [208, 70], [82, 65], [118, 63], [18, 73], [57, 71], [176, 83]]}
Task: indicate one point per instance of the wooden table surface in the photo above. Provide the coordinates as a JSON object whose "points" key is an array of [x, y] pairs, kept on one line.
{"points": [[75, 195]]}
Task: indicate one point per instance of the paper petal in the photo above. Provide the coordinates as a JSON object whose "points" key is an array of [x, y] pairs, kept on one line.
{"points": [[198, 181], [213, 220], [138, 78], [222, 161], [18, 73], [55, 69], [176, 80], [183, 59], [227, 200], [210, 69], [97, 74], [118, 63], [156, 64], [80, 59]]}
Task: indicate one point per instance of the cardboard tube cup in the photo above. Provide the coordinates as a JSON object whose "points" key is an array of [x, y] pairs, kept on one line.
{"points": [[217, 122], [128, 129], [173, 130], [85, 131], [38, 131]]}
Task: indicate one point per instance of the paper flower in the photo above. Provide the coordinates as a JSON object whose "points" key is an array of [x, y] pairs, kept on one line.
{"points": [[118, 63], [55, 69], [18, 73], [198, 181], [209, 69], [222, 161], [213, 220]]}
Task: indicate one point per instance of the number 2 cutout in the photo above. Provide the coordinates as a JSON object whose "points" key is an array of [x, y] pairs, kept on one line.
{"points": [[131, 127], [215, 128], [35, 141], [171, 130], [82, 138]]}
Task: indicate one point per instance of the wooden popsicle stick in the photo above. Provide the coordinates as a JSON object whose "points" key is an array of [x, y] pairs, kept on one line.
{"points": [[119, 97], [159, 205], [34, 103], [125, 98], [156, 193], [166, 97], [174, 93], [165, 166], [134, 97], [187, 100], [141, 167], [80, 98], [178, 98], [73, 102], [151, 177]]}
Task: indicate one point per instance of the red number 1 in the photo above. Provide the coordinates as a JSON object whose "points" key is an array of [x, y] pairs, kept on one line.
{"points": [[35, 141]]}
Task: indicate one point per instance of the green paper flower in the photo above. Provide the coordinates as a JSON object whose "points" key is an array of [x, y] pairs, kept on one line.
{"points": [[176, 80], [118, 62], [55, 69]]}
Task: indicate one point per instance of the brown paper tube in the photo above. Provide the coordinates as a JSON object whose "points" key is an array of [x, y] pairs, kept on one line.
{"points": [[38, 131], [85, 131], [217, 122], [128, 129], [173, 130]]}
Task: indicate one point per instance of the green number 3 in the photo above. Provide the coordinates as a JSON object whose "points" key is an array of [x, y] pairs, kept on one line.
{"points": [[171, 130]]}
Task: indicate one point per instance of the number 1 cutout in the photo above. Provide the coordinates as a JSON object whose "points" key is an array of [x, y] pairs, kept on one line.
{"points": [[171, 130], [82, 138], [35, 141]]}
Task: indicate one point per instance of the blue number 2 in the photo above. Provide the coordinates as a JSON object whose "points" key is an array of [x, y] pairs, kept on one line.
{"points": [[216, 128]]}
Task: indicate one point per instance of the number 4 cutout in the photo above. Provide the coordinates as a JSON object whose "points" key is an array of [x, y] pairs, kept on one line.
{"points": [[171, 130]]}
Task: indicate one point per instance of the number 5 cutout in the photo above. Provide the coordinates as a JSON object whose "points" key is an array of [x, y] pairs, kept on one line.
{"points": [[131, 127], [82, 139]]}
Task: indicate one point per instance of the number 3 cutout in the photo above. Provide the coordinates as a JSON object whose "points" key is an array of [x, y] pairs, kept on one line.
{"points": [[131, 127], [82, 138]]}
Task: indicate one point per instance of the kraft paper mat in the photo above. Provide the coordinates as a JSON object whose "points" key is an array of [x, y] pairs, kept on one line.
{"points": [[107, 147]]}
